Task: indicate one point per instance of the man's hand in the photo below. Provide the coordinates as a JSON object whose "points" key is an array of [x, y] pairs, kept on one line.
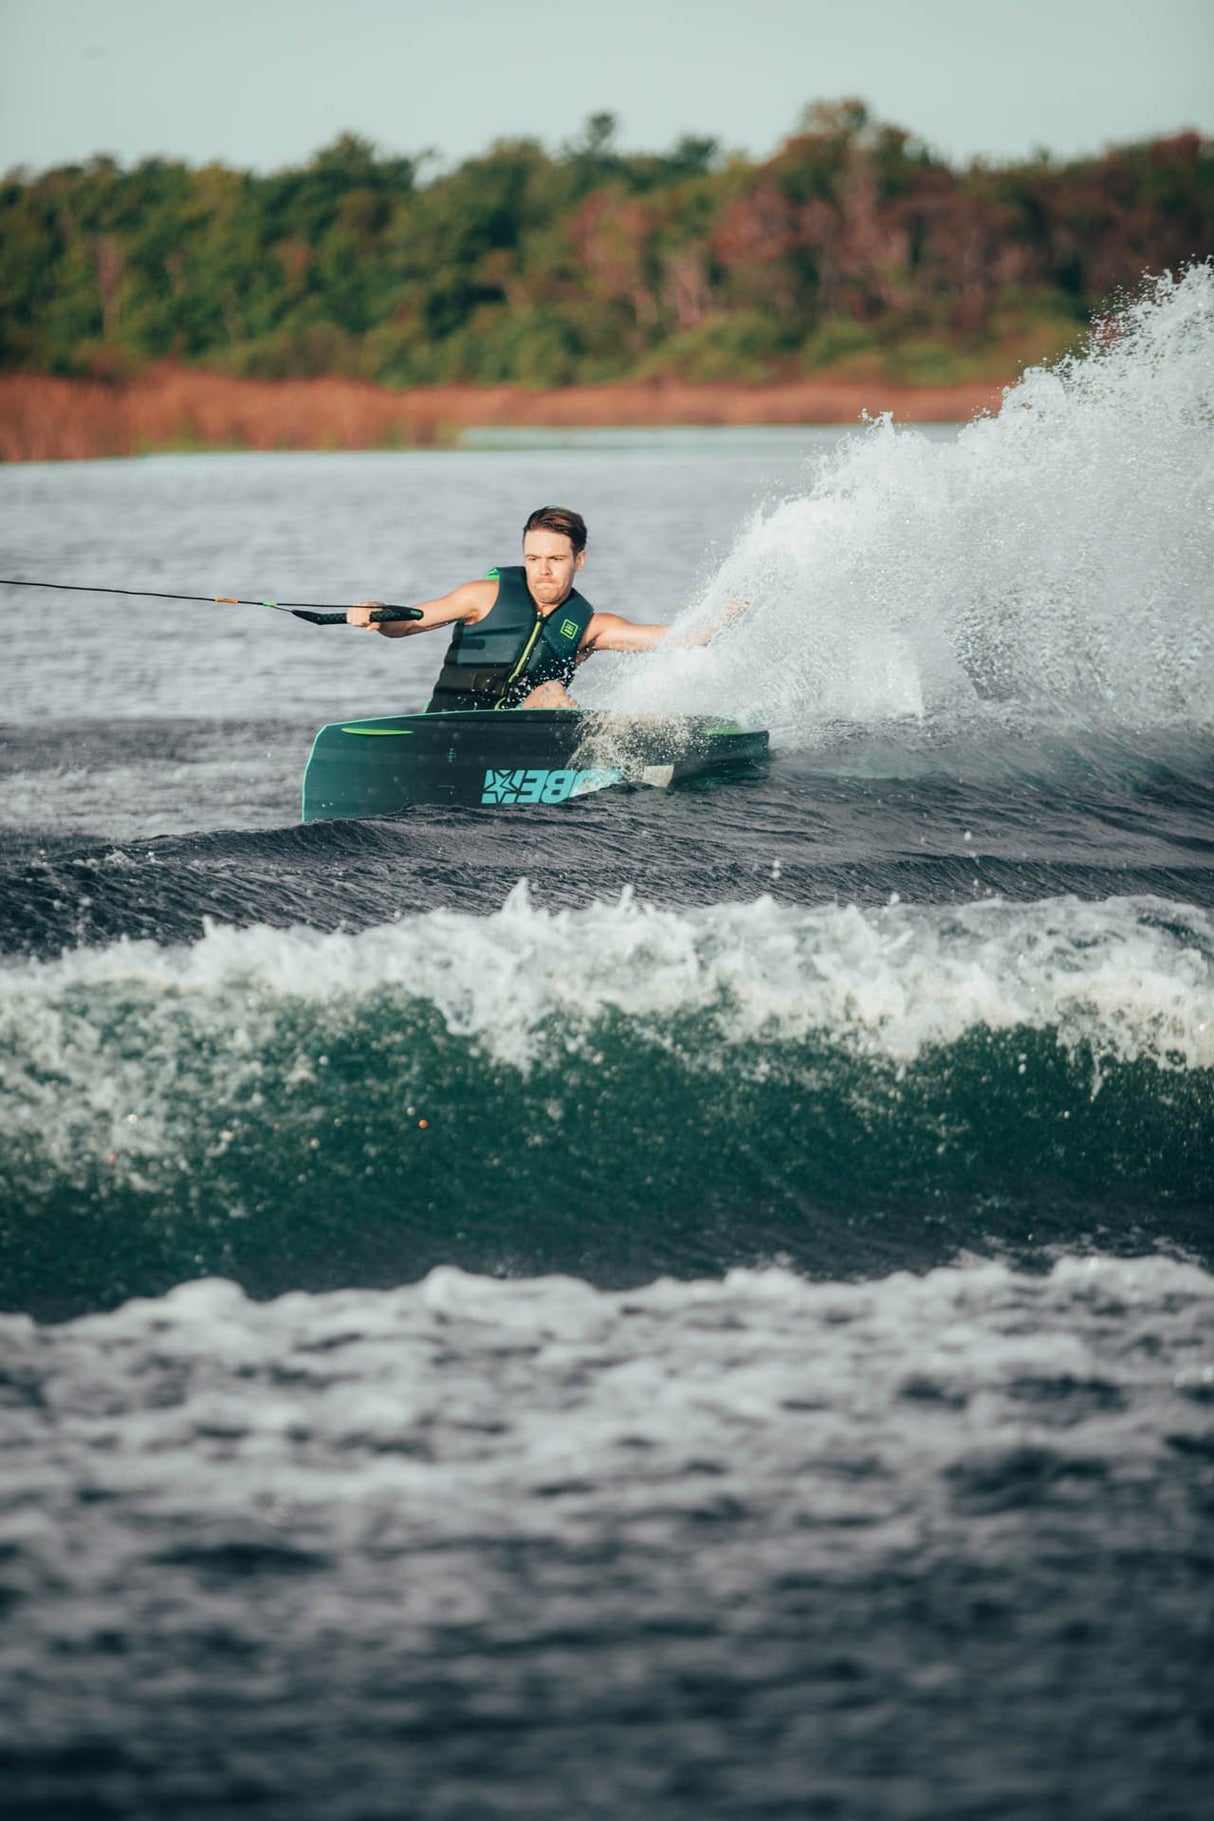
{"points": [[704, 635], [360, 615]]}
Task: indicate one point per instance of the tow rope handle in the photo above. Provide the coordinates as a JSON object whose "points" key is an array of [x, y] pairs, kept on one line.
{"points": [[339, 619]]}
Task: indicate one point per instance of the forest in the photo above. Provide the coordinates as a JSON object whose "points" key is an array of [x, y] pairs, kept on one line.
{"points": [[852, 250]]}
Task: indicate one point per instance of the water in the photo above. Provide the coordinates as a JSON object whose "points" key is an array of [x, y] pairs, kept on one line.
{"points": [[683, 1303]]}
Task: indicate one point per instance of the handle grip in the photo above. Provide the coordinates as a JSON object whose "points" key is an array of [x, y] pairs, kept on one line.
{"points": [[339, 619]]}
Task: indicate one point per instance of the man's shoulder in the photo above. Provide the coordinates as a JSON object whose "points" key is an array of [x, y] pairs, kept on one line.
{"points": [[475, 598]]}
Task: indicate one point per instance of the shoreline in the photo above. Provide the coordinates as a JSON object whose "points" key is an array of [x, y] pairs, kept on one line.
{"points": [[45, 418]]}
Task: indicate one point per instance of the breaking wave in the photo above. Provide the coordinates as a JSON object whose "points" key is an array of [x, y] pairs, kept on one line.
{"points": [[618, 1091]]}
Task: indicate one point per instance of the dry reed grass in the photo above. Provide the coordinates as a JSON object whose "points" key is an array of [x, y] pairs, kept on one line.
{"points": [[43, 418]]}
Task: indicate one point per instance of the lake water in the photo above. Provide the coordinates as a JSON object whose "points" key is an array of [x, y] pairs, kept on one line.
{"points": [[682, 1303]]}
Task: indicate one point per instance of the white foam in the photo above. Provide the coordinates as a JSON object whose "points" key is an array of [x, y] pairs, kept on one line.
{"points": [[1052, 566], [786, 1384]]}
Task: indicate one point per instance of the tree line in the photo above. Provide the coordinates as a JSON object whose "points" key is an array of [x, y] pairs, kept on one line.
{"points": [[853, 245]]}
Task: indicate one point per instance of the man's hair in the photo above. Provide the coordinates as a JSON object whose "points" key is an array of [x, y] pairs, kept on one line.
{"points": [[559, 518]]}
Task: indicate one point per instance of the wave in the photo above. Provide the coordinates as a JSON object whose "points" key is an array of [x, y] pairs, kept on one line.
{"points": [[618, 1090]]}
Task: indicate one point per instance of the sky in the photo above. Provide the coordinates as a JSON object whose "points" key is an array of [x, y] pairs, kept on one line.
{"points": [[261, 84]]}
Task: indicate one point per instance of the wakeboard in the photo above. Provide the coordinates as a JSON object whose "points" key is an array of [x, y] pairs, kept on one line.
{"points": [[500, 759]]}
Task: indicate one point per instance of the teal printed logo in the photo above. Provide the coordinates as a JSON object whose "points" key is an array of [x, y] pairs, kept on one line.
{"points": [[569, 629], [544, 786]]}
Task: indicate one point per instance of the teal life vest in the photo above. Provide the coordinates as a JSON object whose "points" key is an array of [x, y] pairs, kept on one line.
{"points": [[497, 662]]}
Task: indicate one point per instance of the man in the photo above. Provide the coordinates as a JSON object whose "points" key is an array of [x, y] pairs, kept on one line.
{"points": [[521, 634]]}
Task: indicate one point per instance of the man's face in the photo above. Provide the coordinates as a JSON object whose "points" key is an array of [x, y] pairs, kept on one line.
{"points": [[551, 566]]}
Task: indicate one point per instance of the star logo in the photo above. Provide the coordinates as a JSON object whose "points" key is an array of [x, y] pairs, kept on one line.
{"points": [[500, 787]]}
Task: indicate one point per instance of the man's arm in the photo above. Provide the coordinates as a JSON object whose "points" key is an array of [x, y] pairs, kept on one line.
{"points": [[612, 632], [470, 602]]}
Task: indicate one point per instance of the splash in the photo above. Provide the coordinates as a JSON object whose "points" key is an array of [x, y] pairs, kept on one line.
{"points": [[1049, 569]]}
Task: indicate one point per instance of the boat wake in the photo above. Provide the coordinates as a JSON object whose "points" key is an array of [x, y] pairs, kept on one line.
{"points": [[614, 1092]]}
